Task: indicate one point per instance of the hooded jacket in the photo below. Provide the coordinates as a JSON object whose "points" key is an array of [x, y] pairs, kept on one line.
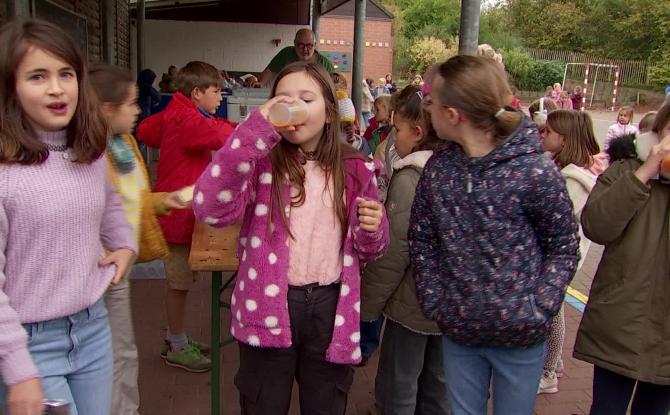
{"points": [[388, 283], [238, 186], [579, 182], [186, 138], [625, 328], [493, 242]]}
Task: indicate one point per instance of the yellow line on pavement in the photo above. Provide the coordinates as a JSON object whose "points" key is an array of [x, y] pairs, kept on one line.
{"points": [[579, 296]]}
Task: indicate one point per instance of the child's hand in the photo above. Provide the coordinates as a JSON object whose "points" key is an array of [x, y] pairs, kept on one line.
{"points": [[123, 258], [370, 213], [25, 398], [173, 200], [651, 167]]}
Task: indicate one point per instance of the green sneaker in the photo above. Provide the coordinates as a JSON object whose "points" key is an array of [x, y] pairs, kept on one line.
{"points": [[189, 359], [203, 347]]}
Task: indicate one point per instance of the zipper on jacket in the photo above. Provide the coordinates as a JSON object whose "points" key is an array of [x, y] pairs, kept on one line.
{"points": [[469, 183]]}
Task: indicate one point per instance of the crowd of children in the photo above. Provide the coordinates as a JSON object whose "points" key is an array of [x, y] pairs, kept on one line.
{"points": [[455, 221]]}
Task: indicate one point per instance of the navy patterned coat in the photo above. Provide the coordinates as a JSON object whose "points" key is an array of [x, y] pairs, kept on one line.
{"points": [[493, 242]]}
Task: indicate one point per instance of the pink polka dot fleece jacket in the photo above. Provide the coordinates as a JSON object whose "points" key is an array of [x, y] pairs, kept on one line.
{"points": [[236, 185]]}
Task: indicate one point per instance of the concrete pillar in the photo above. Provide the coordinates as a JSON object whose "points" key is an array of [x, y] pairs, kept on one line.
{"points": [[140, 35], [108, 31], [359, 49], [316, 20], [469, 32], [18, 8]]}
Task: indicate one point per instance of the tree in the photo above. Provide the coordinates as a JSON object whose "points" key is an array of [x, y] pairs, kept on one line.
{"points": [[425, 51], [436, 18]]}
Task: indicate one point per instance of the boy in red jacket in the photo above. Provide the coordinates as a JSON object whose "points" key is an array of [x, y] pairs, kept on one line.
{"points": [[186, 133]]}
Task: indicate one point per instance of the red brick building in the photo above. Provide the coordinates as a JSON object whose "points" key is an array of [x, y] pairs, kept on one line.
{"points": [[336, 37]]}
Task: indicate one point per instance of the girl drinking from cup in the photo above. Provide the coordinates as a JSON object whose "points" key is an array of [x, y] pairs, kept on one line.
{"points": [[310, 211]]}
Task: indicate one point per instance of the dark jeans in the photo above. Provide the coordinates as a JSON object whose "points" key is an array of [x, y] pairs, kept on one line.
{"points": [[370, 334], [612, 393], [266, 376], [410, 377]]}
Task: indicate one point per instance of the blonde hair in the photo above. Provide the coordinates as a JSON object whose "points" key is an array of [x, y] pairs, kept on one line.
{"points": [[477, 87], [580, 143], [383, 101], [647, 122], [626, 109]]}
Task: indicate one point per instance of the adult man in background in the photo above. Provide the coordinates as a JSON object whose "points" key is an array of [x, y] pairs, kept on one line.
{"points": [[303, 49]]}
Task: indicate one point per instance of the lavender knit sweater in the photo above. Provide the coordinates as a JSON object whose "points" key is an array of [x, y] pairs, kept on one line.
{"points": [[53, 217], [237, 185]]}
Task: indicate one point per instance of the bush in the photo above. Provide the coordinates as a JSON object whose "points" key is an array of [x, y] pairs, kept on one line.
{"points": [[660, 74], [531, 75], [425, 52]]}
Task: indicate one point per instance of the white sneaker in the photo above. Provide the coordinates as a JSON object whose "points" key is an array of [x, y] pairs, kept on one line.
{"points": [[548, 383]]}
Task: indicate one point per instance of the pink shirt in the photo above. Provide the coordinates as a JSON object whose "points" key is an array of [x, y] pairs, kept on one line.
{"points": [[315, 255]]}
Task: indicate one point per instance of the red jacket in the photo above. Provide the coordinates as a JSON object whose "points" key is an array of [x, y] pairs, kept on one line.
{"points": [[186, 139]]}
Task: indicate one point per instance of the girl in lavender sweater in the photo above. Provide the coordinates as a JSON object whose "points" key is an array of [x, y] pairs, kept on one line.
{"points": [[58, 214], [310, 212]]}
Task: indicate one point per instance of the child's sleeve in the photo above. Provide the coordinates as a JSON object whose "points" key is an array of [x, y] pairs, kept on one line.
{"points": [[149, 130], [115, 230], [611, 134], [548, 206], [224, 189], [383, 276], [424, 247], [371, 245], [16, 365], [617, 196], [202, 133]]}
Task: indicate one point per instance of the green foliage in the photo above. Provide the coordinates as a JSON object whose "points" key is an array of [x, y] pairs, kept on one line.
{"points": [[436, 18], [425, 51], [660, 74], [531, 75]]}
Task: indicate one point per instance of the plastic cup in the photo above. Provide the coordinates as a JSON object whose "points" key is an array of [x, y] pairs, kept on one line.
{"points": [[284, 114]]}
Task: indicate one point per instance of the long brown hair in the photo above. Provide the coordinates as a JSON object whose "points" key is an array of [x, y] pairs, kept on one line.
{"points": [[330, 152], [110, 83], [86, 133], [478, 87], [662, 118], [580, 142]]}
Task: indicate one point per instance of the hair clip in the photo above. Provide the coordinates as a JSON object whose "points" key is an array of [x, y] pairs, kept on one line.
{"points": [[419, 94], [500, 112]]}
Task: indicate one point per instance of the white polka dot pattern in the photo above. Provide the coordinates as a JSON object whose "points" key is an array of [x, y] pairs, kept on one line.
{"points": [[356, 354], [261, 210], [254, 340], [355, 337], [210, 220], [225, 196], [255, 242], [260, 144], [216, 170], [344, 290], [251, 305], [244, 167], [348, 261], [272, 290], [252, 274], [199, 198], [265, 178], [271, 321], [272, 258], [235, 144], [339, 320]]}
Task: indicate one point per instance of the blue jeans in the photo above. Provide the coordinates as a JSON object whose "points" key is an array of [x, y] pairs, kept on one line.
{"points": [[366, 120], [514, 372], [74, 357]]}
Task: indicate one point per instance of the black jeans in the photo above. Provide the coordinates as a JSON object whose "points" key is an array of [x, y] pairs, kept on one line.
{"points": [[410, 377], [265, 378], [612, 393]]}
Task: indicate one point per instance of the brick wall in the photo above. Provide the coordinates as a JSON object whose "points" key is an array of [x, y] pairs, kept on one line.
{"points": [[378, 61], [92, 10]]}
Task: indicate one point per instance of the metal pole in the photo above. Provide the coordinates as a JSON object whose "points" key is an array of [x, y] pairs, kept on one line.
{"points": [[18, 8], [359, 44], [316, 19], [468, 39], [595, 82], [140, 35], [109, 15]]}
